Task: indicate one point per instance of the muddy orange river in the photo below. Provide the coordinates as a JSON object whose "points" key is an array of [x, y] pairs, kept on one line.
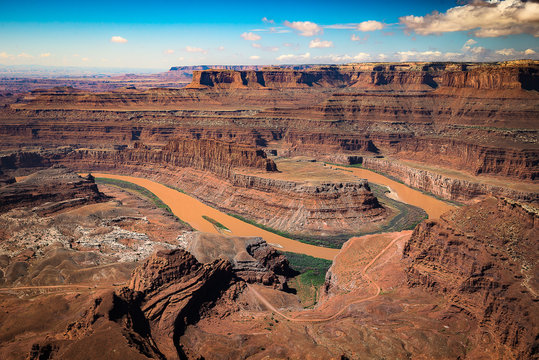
{"points": [[432, 206], [191, 211]]}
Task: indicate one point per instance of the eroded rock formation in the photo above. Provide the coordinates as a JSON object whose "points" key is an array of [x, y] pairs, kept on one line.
{"points": [[483, 259], [170, 291], [478, 118], [49, 190], [252, 259], [445, 186]]}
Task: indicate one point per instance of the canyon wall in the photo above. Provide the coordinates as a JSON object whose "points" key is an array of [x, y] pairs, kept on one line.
{"points": [[444, 186], [482, 258], [215, 156], [476, 118], [415, 76]]}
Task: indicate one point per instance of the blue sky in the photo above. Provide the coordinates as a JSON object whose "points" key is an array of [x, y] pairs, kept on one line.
{"points": [[159, 34]]}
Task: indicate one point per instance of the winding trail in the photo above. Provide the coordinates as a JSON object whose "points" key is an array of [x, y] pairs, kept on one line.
{"points": [[265, 301], [44, 287]]}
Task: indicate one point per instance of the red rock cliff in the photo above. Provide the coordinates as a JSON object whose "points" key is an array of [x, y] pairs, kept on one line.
{"points": [[483, 258], [206, 154], [414, 76]]}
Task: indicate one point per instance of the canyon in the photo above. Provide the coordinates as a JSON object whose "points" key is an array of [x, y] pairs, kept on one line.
{"points": [[177, 222]]}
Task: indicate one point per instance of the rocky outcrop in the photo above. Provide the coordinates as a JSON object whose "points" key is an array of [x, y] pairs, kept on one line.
{"points": [[324, 209], [6, 179], [49, 191], [479, 118], [252, 259], [23, 159], [445, 186], [490, 77], [168, 292], [519, 162], [482, 258], [332, 77]]}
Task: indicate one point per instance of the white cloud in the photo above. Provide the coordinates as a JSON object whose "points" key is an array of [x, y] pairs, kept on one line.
{"points": [[344, 58], [193, 49], [355, 37], [478, 50], [264, 48], [305, 28], [254, 57], [470, 42], [44, 55], [25, 55], [341, 26], [296, 46], [514, 53], [452, 55], [249, 36], [5, 55], [418, 55], [382, 57], [278, 30], [317, 43], [293, 58], [506, 52], [169, 51], [118, 39], [268, 21], [221, 48], [491, 18], [85, 59], [370, 25]]}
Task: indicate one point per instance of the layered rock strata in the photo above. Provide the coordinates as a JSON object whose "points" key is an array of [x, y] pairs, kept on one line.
{"points": [[170, 291], [419, 76], [483, 259], [50, 190], [478, 118], [252, 259], [446, 187], [165, 294]]}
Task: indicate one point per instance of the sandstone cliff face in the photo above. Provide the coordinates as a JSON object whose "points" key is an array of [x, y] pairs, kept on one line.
{"points": [[483, 259], [473, 117], [168, 292], [444, 186], [49, 190], [332, 77], [411, 76], [212, 154], [477, 159], [205, 154], [493, 78]]}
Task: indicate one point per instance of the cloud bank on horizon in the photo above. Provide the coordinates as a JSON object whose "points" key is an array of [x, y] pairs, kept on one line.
{"points": [[479, 30]]}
